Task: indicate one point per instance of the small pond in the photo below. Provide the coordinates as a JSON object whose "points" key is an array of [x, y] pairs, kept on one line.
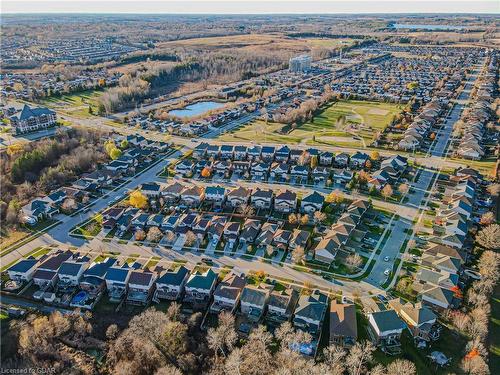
{"points": [[196, 109]]}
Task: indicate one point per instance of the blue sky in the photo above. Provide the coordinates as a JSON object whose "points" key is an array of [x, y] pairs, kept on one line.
{"points": [[250, 6]]}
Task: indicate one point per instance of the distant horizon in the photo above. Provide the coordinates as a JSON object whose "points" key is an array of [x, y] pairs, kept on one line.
{"points": [[246, 14], [255, 7]]}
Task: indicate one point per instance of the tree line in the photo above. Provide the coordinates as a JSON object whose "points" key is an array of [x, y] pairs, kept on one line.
{"points": [[36, 168], [169, 343]]}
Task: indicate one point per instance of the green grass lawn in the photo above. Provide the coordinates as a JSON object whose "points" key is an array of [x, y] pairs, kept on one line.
{"points": [[484, 166], [152, 262], [76, 104], [39, 252], [11, 239], [90, 228], [325, 127]]}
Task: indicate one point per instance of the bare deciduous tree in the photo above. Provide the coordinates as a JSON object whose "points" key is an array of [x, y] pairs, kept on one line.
{"points": [[354, 261], [154, 234], [223, 338], [319, 217], [489, 237], [401, 366], [358, 357], [190, 239]]}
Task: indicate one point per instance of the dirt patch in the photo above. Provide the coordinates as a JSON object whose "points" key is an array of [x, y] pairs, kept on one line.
{"points": [[354, 118], [336, 139], [377, 111]]}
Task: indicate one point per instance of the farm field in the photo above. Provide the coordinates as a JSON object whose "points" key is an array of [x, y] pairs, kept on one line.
{"points": [[347, 123], [259, 42]]}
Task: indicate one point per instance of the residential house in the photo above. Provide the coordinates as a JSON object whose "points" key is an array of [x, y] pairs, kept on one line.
{"points": [[200, 150], [102, 177], [124, 223], [261, 198], [259, 170], [282, 238], [299, 238], [342, 176], [267, 153], [227, 294], [46, 273], [281, 305], [110, 217], [326, 158], [222, 167], [116, 283], [385, 329], [23, 270], [342, 159], [358, 160], [37, 210], [226, 152], [140, 287], [310, 312], [215, 194], [266, 235], [213, 151], [172, 193], [70, 273], [151, 189], [240, 168], [238, 196], [320, 174], [200, 286], [184, 167], [282, 154], [170, 284], [93, 280], [299, 173], [279, 171], [192, 196], [231, 231], [254, 299], [155, 220], [250, 230], [312, 203], [420, 320], [343, 324], [216, 229], [285, 201], [439, 298], [254, 153], [326, 250], [140, 220], [240, 152], [295, 155]]}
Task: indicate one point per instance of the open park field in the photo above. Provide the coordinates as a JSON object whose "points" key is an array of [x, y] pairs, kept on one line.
{"points": [[347, 123], [77, 104]]}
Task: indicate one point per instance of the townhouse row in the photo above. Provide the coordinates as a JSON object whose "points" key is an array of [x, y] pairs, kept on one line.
{"points": [[474, 120]]}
